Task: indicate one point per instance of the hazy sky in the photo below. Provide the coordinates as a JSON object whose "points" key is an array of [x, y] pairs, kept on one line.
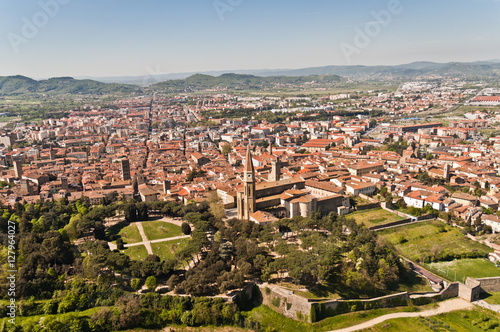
{"points": [[47, 38]]}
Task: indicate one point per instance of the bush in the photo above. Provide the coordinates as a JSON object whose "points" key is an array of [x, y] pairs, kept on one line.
{"points": [[276, 302], [151, 283], [185, 228], [119, 244]]}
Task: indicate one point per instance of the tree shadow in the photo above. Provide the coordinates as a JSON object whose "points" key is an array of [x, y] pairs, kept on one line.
{"points": [[112, 232]]}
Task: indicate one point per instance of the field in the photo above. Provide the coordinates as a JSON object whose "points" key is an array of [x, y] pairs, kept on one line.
{"points": [[168, 249], [477, 320], [433, 241], [136, 252], [157, 229], [491, 298], [374, 217], [128, 232], [411, 284], [273, 321], [460, 269]]}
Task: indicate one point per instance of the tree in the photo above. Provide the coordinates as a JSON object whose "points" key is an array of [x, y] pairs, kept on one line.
{"points": [[216, 207], [135, 283], [185, 228], [226, 149], [151, 283]]}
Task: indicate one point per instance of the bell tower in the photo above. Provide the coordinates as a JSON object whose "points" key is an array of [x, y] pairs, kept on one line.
{"points": [[246, 201]]}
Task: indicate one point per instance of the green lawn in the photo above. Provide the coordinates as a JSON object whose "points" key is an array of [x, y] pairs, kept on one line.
{"points": [[432, 240], [31, 319], [474, 268], [477, 320], [136, 252], [273, 321], [412, 283], [491, 298], [157, 229], [128, 232], [168, 249], [374, 217]]}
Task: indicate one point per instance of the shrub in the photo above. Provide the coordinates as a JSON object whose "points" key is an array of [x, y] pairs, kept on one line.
{"points": [[276, 302], [185, 228]]}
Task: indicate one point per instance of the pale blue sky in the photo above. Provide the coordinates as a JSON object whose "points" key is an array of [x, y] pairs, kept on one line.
{"points": [[124, 37]]}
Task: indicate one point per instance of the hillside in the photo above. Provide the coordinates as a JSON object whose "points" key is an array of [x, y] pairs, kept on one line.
{"points": [[199, 82], [14, 85]]}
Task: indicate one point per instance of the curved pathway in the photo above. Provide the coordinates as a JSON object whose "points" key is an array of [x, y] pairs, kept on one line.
{"points": [[447, 306]]}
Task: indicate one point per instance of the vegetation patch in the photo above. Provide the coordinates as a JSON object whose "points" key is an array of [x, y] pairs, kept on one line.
{"points": [[157, 229], [477, 320], [374, 217], [460, 269], [136, 252], [433, 241], [168, 249], [129, 233]]}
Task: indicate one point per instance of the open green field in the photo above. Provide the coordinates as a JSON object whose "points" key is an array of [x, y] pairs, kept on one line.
{"points": [[128, 232], [476, 320], [465, 109], [374, 217], [411, 284], [136, 252], [460, 269], [157, 229], [273, 321], [433, 241], [20, 321], [168, 249], [491, 298]]}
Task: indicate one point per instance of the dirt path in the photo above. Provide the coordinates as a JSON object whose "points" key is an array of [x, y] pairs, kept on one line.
{"points": [[144, 238], [447, 306]]}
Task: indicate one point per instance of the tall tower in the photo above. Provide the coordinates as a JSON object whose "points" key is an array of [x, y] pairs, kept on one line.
{"points": [[275, 170], [125, 163], [447, 171], [246, 202], [18, 168], [52, 153]]}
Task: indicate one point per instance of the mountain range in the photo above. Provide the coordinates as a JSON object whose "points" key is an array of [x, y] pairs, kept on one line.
{"points": [[246, 79], [422, 69]]}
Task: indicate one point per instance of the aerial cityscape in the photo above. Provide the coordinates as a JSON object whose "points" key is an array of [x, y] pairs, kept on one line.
{"points": [[231, 165]]}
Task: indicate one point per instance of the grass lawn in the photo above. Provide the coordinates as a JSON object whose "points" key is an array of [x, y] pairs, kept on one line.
{"points": [[157, 229], [411, 284], [374, 217], [31, 319], [168, 249], [273, 321], [433, 238], [491, 298], [136, 252], [474, 268], [477, 320], [128, 232]]}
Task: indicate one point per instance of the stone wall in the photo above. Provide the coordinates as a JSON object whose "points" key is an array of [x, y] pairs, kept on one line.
{"points": [[367, 206], [322, 310], [490, 284], [285, 302], [470, 290], [396, 223]]}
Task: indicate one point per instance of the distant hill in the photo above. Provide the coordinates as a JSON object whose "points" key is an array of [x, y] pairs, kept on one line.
{"points": [[199, 82], [10, 85], [422, 69]]}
